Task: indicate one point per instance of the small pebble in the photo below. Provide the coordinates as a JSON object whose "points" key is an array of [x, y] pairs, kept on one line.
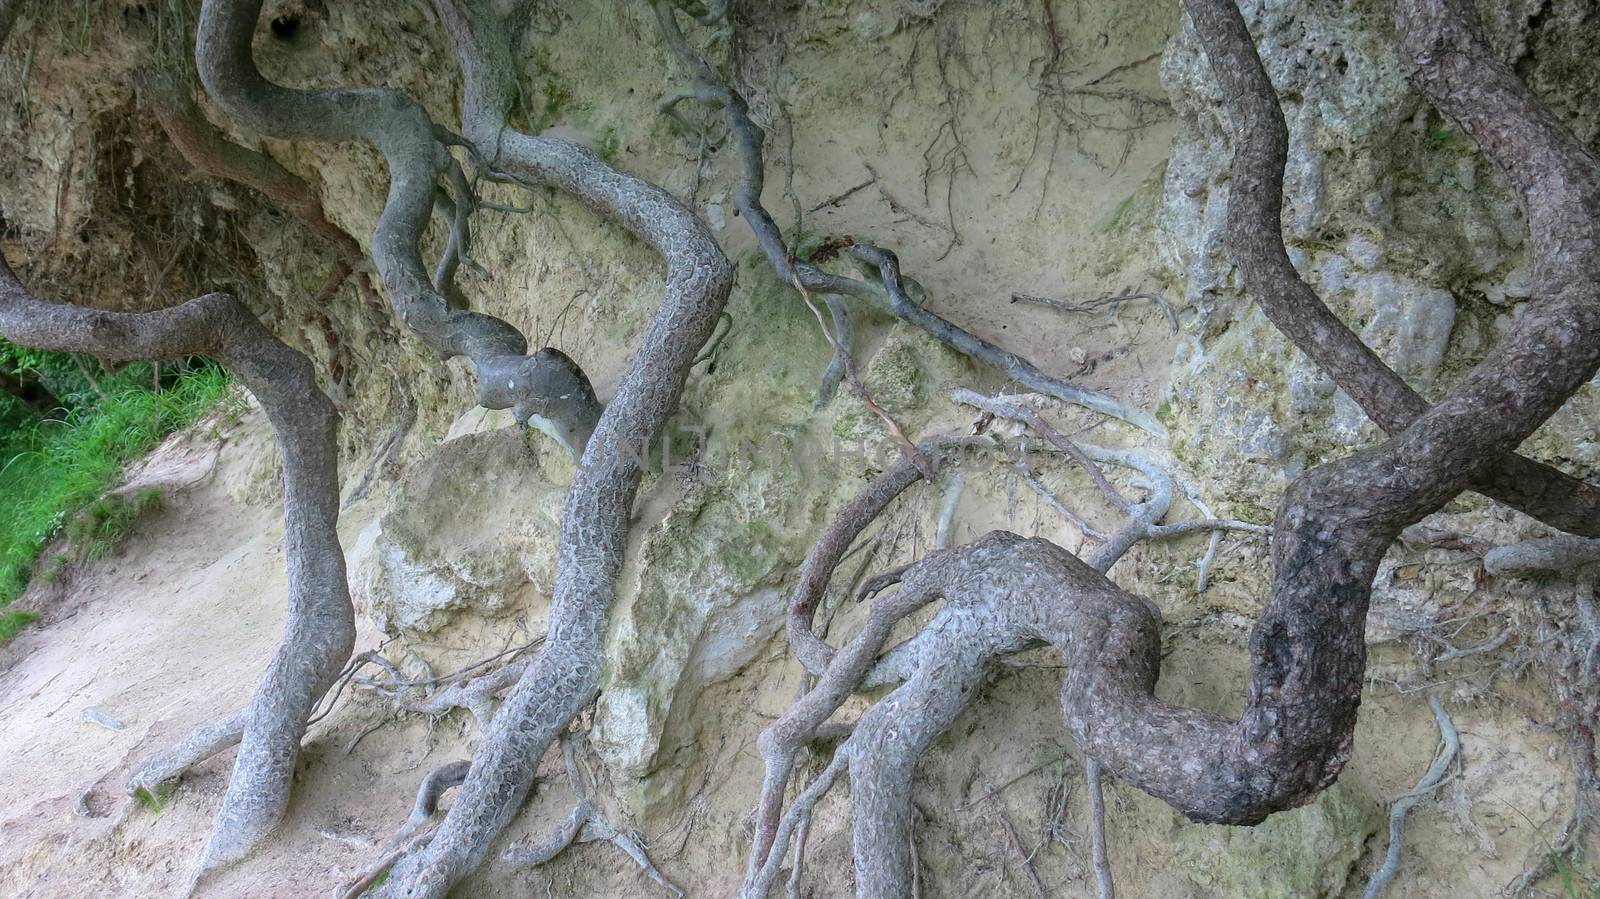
{"points": [[95, 716]]}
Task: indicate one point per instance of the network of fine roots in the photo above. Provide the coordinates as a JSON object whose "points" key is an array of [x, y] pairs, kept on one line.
{"points": [[995, 597]]}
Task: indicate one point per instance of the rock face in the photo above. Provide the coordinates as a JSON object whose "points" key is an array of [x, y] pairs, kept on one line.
{"points": [[473, 527], [1389, 213], [1310, 851], [927, 127]]}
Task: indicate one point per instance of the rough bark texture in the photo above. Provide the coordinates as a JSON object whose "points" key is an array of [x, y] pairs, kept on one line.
{"points": [[545, 386], [1485, 97], [1337, 521], [1334, 526], [320, 632], [565, 675]]}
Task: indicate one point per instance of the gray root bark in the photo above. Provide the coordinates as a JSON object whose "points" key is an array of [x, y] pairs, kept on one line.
{"points": [[546, 388], [564, 676], [1334, 526], [1542, 554], [320, 631], [1452, 65]]}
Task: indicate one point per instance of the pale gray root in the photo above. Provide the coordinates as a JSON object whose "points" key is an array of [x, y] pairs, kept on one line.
{"points": [[1450, 744], [947, 511], [377, 869], [780, 743], [1050, 499], [886, 290], [320, 632], [1556, 553], [476, 695], [802, 832], [414, 831], [759, 881], [457, 206], [1005, 408], [834, 543], [586, 823], [1452, 653], [431, 790], [844, 336], [563, 677], [205, 741], [1105, 887], [545, 389]]}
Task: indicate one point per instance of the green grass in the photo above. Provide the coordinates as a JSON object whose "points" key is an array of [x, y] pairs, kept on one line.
{"points": [[54, 473], [97, 528]]}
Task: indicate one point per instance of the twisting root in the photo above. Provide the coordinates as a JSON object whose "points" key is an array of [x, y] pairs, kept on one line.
{"points": [[1547, 166], [320, 632], [432, 789], [1450, 744], [564, 676], [844, 339], [1336, 522], [888, 291], [456, 691], [205, 741], [585, 824], [546, 389]]}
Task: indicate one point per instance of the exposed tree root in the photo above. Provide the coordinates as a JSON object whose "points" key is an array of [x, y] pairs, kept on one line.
{"points": [[1105, 888], [546, 388], [476, 695], [1450, 745], [152, 777], [998, 595], [888, 290], [1543, 554], [321, 628], [941, 666], [1004, 593], [432, 789], [1509, 124], [564, 676], [585, 824]]}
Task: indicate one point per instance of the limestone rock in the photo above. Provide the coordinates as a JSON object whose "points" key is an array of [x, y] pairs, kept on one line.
{"points": [[1309, 852], [474, 527]]}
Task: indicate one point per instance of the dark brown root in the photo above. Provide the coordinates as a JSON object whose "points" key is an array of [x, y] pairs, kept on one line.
{"points": [[1336, 522]]}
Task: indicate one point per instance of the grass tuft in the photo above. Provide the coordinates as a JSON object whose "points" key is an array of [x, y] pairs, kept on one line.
{"points": [[54, 473]]}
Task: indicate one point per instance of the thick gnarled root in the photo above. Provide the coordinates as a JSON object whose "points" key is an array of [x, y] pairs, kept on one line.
{"points": [[321, 629]]}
